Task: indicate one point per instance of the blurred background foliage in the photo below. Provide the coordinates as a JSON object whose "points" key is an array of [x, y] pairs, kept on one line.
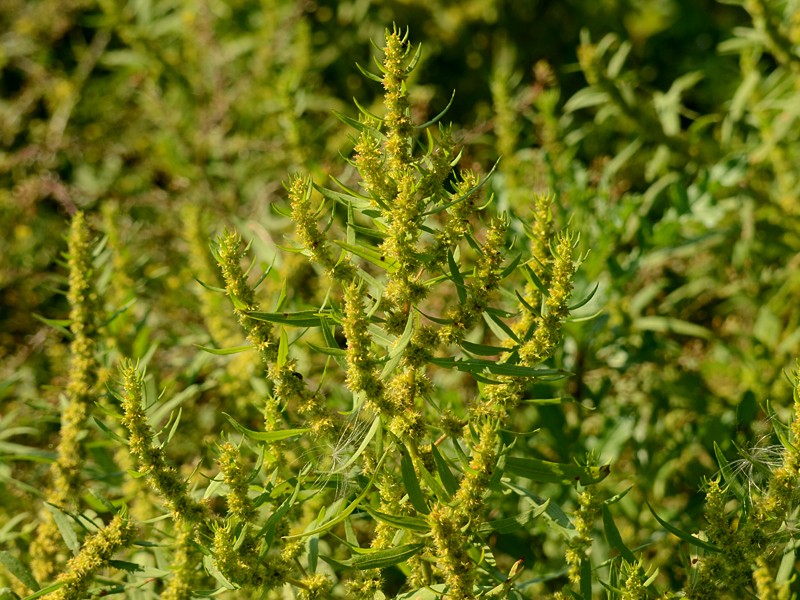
{"points": [[667, 129]]}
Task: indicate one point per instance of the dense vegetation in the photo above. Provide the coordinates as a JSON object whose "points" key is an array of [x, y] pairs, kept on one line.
{"points": [[518, 322]]}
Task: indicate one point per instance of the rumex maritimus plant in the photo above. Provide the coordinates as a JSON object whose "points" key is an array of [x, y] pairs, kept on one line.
{"points": [[421, 278]]}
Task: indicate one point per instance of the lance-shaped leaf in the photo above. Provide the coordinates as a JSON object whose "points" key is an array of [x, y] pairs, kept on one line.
{"points": [[686, 537], [380, 559], [512, 524], [303, 318], [545, 471], [411, 484], [19, 570], [265, 436], [370, 254], [401, 522], [476, 366], [224, 351]]}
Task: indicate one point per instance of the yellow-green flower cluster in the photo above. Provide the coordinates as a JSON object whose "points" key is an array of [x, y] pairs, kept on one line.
{"points": [[240, 506], [450, 524], [185, 557], [259, 333], [541, 236], [66, 483], [162, 477], [547, 334], [399, 127], [240, 562], [313, 587], [458, 225], [369, 160], [95, 553], [480, 287], [400, 246], [634, 584], [305, 219], [581, 542], [766, 586], [452, 545], [362, 375], [83, 303]]}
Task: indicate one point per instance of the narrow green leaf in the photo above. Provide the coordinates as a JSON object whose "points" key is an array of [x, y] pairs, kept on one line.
{"points": [[367, 113], [686, 537], [283, 349], [445, 474], [380, 559], [303, 318], [512, 266], [267, 532], [499, 327], [457, 278], [411, 483], [438, 117], [586, 300], [586, 578], [65, 528], [46, 590], [412, 523], [174, 427], [513, 524], [266, 436], [369, 74], [224, 351], [325, 350], [109, 432], [483, 349], [370, 254], [545, 471], [357, 125], [396, 353], [19, 570], [361, 204], [613, 537], [57, 323], [211, 568], [534, 280], [281, 297], [478, 366], [526, 304]]}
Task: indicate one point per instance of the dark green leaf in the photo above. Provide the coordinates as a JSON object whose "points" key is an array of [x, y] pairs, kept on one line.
{"points": [[686, 537], [545, 471], [613, 537], [586, 300], [380, 559], [457, 278], [412, 523], [477, 366], [65, 528], [438, 117], [370, 254], [266, 436], [303, 318], [512, 524], [411, 484], [19, 570], [224, 351], [483, 349], [445, 474]]}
